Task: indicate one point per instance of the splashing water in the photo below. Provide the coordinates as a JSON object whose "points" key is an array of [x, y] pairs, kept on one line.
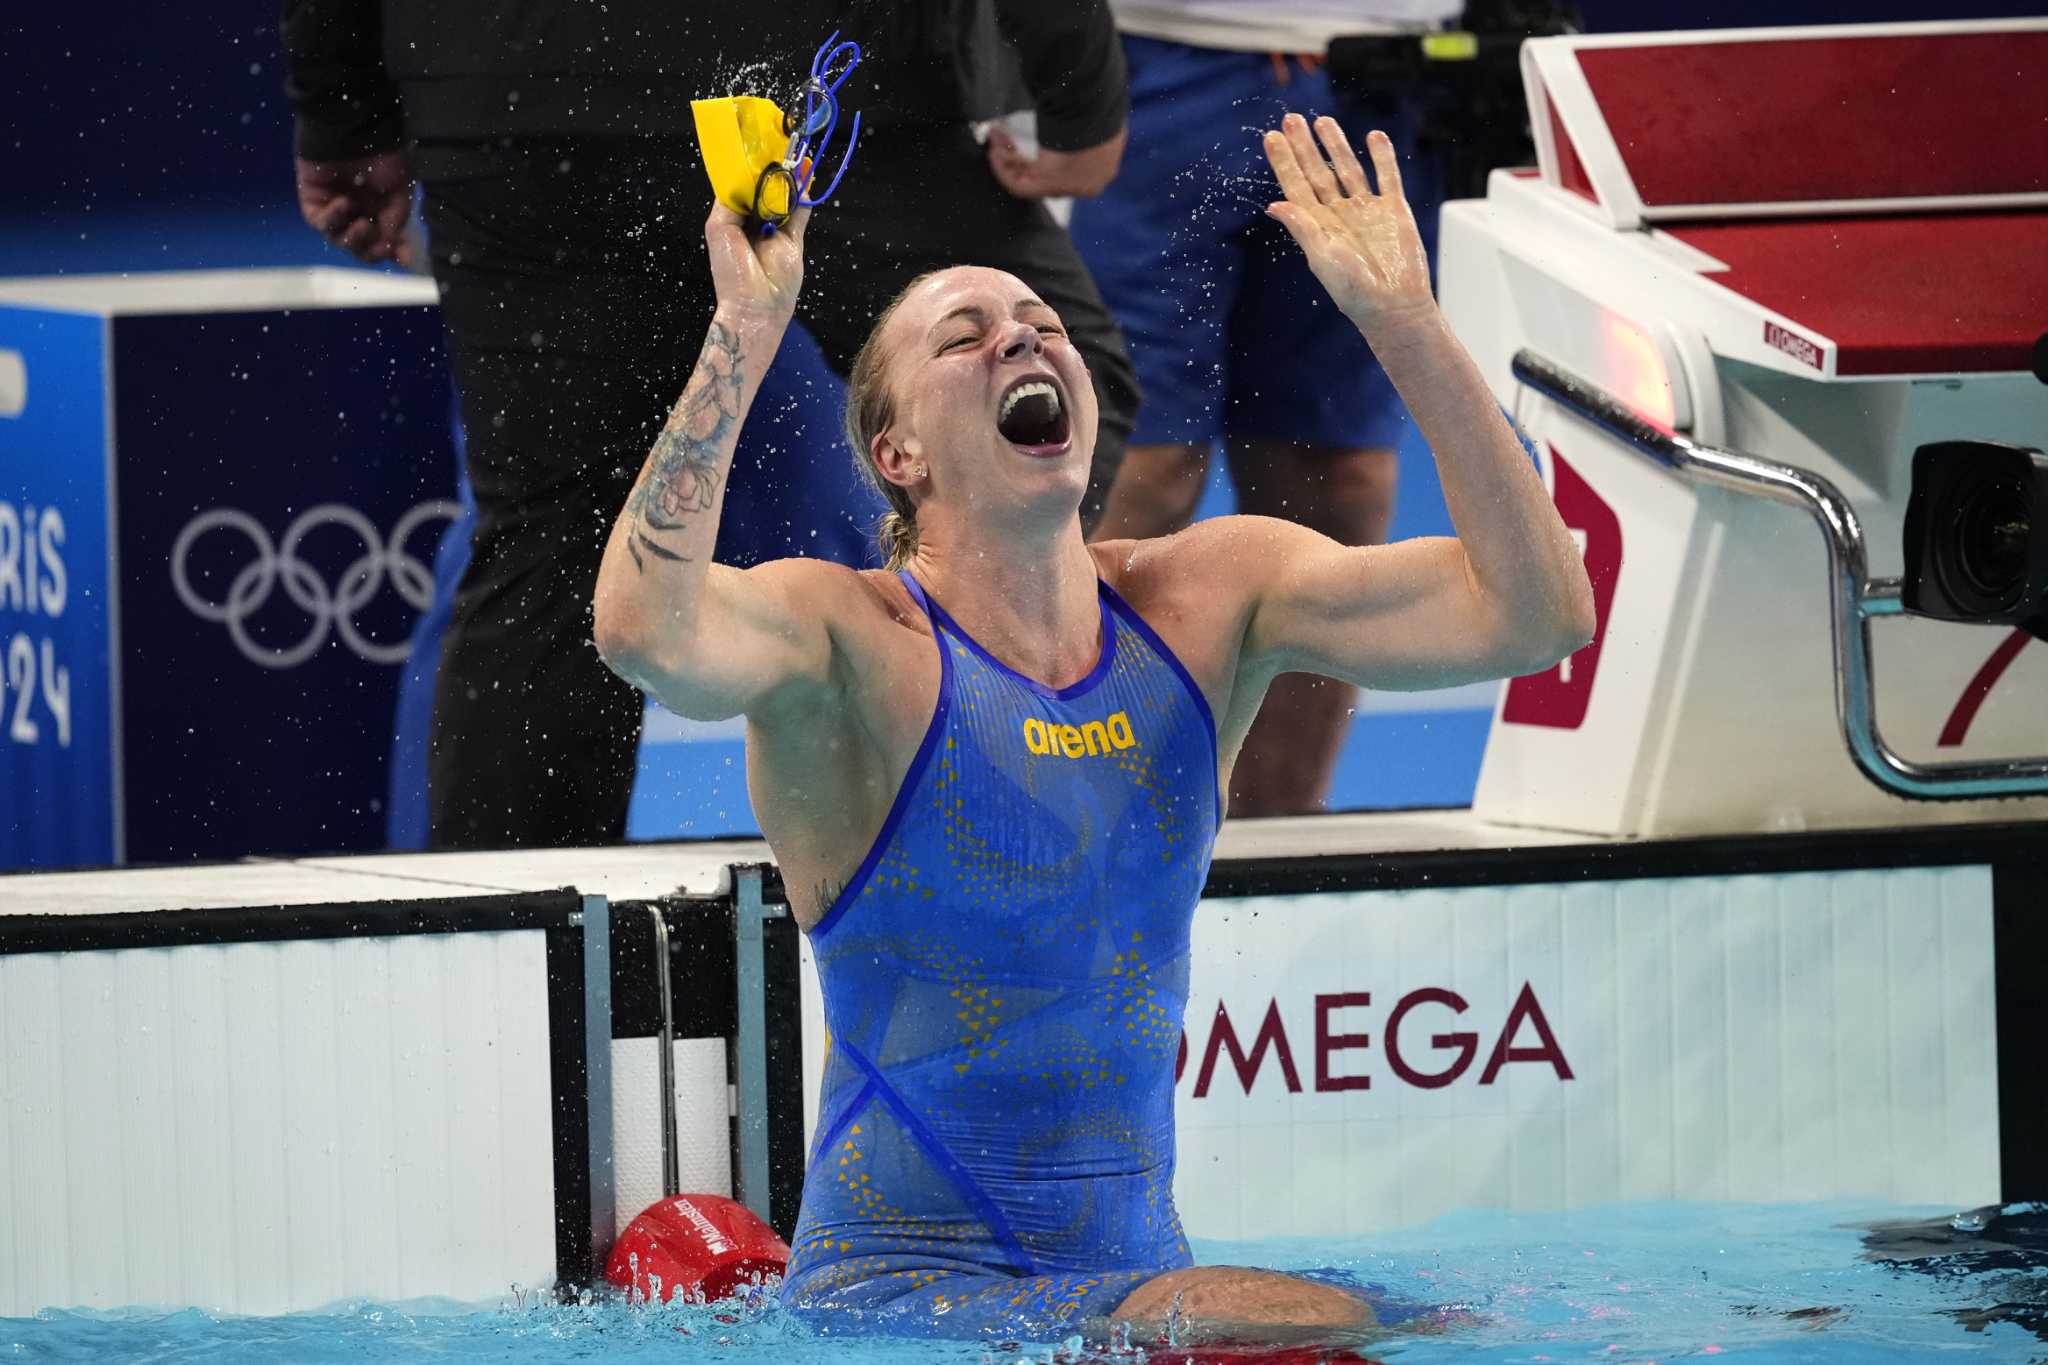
{"points": [[1770, 1285]]}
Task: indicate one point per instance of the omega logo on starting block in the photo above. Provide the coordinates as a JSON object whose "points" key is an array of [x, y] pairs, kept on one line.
{"points": [[1792, 344]]}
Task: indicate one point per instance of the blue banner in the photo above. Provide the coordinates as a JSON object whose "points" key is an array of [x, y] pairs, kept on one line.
{"points": [[57, 783], [283, 480]]}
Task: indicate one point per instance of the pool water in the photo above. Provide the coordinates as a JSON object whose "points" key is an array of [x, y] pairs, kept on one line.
{"points": [[1634, 1283]]}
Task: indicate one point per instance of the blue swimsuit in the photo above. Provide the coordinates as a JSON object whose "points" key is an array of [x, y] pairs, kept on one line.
{"points": [[1003, 981]]}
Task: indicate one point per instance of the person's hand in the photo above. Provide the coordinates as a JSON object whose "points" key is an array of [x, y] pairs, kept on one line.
{"points": [[360, 205], [1362, 245], [757, 277], [1081, 174]]}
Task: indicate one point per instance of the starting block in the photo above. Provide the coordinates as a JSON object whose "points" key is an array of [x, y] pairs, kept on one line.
{"points": [[1821, 248]]}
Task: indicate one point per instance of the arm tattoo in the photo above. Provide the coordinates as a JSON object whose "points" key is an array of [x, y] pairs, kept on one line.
{"points": [[683, 476]]}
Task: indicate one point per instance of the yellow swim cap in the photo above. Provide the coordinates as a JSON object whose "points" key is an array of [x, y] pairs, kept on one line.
{"points": [[741, 138]]}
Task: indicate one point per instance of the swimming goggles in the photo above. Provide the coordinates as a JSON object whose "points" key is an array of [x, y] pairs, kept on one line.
{"points": [[809, 136]]}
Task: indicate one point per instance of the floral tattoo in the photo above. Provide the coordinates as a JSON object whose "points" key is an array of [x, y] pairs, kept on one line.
{"points": [[682, 478]]}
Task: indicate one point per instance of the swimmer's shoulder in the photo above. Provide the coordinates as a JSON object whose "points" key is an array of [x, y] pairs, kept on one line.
{"points": [[1214, 566], [844, 598], [868, 613], [1196, 590], [882, 661]]}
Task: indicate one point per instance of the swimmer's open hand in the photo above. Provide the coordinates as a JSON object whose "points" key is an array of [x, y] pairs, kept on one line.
{"points": [[757, 276], [1362, 245]]}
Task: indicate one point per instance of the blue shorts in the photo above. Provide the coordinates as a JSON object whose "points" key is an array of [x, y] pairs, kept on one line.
{"points": [[1230, 332]]}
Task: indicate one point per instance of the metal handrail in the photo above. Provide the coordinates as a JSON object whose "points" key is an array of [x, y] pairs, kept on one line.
{"points": [[1853, 599], [750, 1042], [671, 1162]]}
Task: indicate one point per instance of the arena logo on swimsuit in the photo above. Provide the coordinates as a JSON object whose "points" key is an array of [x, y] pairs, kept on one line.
{"points": [[1080, 741]]}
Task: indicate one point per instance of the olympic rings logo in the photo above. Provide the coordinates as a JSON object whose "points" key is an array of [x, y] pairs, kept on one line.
{"points": [[332, 609]]}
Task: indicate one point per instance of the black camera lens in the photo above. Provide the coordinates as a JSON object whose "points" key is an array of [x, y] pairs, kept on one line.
{"points": [[1993, 525], [1976, 548]]}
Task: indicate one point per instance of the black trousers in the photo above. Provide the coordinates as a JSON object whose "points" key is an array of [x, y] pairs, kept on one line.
{"points": [[576, 295]]}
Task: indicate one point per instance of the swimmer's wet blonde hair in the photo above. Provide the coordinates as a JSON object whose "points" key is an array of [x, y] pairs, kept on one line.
{"points": [[870, 408]]}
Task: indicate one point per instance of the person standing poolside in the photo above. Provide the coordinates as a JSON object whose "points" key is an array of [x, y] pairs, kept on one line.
{"points": [[1203, 285], [560, 170], [992, 778]]}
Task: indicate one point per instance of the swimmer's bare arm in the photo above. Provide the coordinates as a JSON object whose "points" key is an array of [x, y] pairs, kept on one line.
{"points": [[706, 640], [1509, 594]]}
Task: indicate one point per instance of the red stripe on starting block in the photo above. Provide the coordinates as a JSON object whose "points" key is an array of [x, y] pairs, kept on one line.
{"points": [[1958, 727], [1901, 116], [1920, 294]]}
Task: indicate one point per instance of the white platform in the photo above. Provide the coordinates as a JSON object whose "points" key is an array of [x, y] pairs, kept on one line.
{"points": [[644, 871]]}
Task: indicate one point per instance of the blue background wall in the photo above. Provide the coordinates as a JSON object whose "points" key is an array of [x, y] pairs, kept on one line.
{"points": [[178, 111], [133, 137]]}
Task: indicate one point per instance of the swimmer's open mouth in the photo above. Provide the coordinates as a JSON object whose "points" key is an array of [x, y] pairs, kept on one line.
{"points": [[1033, 415]]}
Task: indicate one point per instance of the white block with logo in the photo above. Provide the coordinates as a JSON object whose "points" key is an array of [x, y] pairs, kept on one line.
{"points": [[1706, 703]]}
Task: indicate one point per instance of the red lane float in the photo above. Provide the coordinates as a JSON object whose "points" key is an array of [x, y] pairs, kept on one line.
{"points": [[694, 1246]]}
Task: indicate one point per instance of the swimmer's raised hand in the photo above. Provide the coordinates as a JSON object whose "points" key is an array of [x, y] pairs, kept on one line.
{"points": [[756, 276], [1361, 244]]}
